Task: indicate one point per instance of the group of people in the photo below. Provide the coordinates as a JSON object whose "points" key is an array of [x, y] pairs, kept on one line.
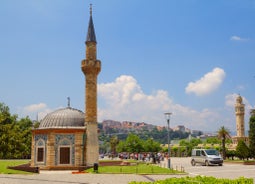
{"points": [[146, 157]]}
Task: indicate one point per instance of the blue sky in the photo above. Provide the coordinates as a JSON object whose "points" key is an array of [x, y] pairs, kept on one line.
{"points": [[188, 57]]}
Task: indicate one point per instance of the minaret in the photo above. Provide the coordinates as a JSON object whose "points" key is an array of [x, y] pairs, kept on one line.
{"points": [[239, 109], [91, 68]]}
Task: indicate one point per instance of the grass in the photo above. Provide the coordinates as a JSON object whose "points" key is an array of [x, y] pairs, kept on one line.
{"points": [[135, 169], [5, 163]]}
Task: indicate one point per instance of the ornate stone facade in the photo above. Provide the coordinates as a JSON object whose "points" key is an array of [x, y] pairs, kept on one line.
{"points": [[58, 148]]}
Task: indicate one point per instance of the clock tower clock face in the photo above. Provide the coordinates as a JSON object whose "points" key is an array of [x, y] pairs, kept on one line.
{"points": [[239, 109]]}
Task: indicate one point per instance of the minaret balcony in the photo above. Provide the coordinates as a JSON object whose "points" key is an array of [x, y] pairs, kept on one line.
{"points": [[91, 66]]}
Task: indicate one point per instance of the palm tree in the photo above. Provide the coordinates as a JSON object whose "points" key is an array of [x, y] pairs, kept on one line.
{"points": [[223, 134], [114, 141]]}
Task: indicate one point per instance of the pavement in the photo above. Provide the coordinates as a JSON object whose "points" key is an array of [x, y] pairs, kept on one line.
{"points": [[66, 177]]}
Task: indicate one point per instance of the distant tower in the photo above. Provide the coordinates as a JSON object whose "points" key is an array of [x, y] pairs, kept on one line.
{"points": [[240, 131], [239, 109], [91, 68]]}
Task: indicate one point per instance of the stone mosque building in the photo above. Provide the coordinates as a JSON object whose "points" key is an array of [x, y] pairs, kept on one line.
{"points": [[68, 138]]}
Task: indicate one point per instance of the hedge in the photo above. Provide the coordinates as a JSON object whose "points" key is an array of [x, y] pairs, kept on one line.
{"points": [[199, 180]]}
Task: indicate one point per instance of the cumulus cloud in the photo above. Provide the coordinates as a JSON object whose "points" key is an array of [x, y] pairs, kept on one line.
{"points": [[35, 107], [35, 111], [207, 84], [124, 99], [237, 38]]}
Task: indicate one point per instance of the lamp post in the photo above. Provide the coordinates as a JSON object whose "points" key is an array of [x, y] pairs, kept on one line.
{"points": [[167, 115]]}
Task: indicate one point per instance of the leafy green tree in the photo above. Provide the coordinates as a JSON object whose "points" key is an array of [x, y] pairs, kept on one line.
{"points": [[24, 126], [121, 147], [230, 154], [223, 134], [113, 143], [190, 144], [15, 136], [36, 124], [151, 146], [242, 150], [252, 136], [212, 140], [134, 144], [104, 147]]}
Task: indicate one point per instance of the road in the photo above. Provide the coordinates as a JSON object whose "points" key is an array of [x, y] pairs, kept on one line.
{"points": [[228, 170]]}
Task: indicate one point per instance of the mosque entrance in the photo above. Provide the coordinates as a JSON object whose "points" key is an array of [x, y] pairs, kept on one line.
{"points": [[65, 155]]}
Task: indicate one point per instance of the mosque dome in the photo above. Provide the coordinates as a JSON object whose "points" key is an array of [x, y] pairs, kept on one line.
{"points": [[62, 118]]}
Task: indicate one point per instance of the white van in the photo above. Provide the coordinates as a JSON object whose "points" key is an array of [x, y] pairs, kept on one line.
{"points": [[206, 157]]}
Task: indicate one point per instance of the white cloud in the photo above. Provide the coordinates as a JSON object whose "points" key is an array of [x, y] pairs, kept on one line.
{"points": [[34, 107], [35, 111], [207, 84], [125, 100], [237, 38]]}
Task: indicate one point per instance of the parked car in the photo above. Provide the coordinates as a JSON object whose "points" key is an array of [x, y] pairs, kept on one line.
{"points": [[206, 157]]}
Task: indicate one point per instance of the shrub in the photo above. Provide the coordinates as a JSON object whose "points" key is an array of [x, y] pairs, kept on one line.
{"points": [[199, 179]]}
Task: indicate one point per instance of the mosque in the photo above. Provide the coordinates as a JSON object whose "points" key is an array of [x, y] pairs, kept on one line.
{"points": [[68, 138]]}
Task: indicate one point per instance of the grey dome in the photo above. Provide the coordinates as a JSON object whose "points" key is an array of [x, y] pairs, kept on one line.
{"points": [[66, 117]]}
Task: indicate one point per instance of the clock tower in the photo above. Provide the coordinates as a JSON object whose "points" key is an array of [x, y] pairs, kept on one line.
{"points": [[240, 126], [91, 67], [239, 110]]}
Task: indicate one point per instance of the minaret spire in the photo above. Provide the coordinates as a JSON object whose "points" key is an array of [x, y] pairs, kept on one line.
{"points": [[91, 36], [90, 10]]}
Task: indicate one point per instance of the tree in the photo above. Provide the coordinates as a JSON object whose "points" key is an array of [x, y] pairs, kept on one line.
{"points": [[223, 134], [134, 144], [242, 150], [121, 147], [190, 144], [113, 143], [24, 126], [230, 154], [151, 146], [15, 135], [252, 136], [213, 140]]}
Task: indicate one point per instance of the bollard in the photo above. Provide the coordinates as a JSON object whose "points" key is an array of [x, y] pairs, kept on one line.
{"points": [[95, 167]]}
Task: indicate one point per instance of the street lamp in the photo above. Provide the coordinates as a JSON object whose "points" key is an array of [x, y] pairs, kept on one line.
{"points": [[167, 115]]}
